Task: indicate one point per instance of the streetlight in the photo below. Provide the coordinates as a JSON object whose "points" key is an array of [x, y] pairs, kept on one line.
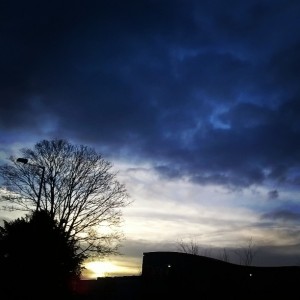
{"points": [[25, 161]]}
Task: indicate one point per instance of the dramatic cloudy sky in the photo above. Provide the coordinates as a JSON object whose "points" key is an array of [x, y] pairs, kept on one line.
{"points": [[196, 103]]}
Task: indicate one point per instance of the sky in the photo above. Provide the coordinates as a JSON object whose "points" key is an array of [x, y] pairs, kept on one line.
{"points": [[196, 104]]}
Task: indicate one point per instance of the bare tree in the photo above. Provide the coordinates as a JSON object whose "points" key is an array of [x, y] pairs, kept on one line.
{"points": [[224, 255], [246, 254], [79, 190], [190, 247]]}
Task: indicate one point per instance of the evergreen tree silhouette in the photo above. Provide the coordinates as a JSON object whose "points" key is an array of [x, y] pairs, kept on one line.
{"points": [[37, 259]]}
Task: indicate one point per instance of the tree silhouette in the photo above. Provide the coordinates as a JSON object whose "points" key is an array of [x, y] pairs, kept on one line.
{"points": [[247, 253], [79, 190], [190, 247], [37, 258]]}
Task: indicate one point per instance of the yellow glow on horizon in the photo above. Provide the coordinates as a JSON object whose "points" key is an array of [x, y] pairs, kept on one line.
{"points": [[101, 268], [106, 269]]}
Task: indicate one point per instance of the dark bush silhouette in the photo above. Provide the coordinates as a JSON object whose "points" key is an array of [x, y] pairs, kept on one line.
{"points": [[37, 259]]}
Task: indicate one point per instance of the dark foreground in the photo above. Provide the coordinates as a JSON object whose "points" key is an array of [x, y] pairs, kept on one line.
{"points": [[135, 288], [172, 275], [141, 288]]}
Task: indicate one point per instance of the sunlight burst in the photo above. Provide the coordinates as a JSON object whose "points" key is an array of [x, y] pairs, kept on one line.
{"points": [[101, 268]]}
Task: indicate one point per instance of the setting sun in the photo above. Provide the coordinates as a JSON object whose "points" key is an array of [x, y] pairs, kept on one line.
{"points": [[96, 269], [101, 269]]}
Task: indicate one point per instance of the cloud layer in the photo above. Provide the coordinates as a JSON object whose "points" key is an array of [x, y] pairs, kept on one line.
{"points": [[205, 90]]}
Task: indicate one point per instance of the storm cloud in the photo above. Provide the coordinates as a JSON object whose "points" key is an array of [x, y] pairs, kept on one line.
{"points": [[204, 90]]}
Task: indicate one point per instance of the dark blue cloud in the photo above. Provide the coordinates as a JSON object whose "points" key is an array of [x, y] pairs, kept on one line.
{"points": [[208, 90], [283, 215]]}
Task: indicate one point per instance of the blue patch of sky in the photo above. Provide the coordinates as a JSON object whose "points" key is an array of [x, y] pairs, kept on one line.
{"points": [[215, 120]]}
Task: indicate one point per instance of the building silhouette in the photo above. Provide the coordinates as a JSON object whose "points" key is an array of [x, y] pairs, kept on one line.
{"points": [[174, 275]]}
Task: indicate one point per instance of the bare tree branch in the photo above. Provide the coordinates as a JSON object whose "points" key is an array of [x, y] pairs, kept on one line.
{"points": [[80, 190], [246, 254]]}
